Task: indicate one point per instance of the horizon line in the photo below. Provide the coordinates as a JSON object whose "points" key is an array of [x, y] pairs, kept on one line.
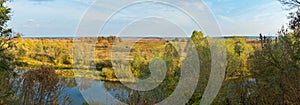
{"points": [[68, 36]]}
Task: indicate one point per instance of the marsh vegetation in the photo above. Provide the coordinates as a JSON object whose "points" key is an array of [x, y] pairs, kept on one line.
{"points": [[44, 71]]}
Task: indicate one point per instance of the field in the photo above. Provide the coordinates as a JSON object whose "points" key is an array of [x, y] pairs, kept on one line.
{"points": [[97, 59], [42, 63], [139, 52]]}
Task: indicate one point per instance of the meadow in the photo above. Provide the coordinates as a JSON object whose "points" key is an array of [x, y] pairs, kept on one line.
{"points": [[65, 71], [57, 53]]}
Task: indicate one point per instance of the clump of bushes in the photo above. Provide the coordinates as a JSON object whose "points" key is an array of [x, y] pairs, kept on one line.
{"points": [[108, 73], [103, 64], [45, 51]]}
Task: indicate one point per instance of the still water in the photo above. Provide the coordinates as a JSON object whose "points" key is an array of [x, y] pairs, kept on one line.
{"points": [[36, 87], [44, 87]]}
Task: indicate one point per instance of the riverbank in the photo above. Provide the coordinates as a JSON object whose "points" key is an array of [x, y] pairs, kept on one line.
{"points": [[88, 74]]}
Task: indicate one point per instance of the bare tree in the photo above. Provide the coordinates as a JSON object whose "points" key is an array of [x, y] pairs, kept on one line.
{"points": [[290, 4]]}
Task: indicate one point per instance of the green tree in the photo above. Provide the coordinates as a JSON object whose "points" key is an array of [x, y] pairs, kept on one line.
{"points": [[201, 43], [6, 38], [238, 48], [277, 72], [171, 57], [276, 67], [6, 55], [238, 52]]}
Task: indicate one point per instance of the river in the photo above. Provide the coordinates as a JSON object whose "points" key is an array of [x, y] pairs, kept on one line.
{"points": [[45, 87]]}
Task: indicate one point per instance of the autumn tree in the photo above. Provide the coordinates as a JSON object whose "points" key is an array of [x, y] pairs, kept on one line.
{"points": [[238, 48], [201, 43], [276, 67]]}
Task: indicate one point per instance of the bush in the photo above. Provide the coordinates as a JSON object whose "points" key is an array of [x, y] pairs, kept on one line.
{"points": [[108, 73], [103, 64]]}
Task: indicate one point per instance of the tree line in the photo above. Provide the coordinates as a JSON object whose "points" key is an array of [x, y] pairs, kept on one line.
{"points": [[254, 74]]}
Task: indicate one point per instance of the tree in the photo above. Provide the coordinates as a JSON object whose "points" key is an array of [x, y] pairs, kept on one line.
{"points": [[276, 67], [202, 46], [290, 4], [238, 52], [277, 72], [238, 48], [6, 38], [6, 56], [294, 16], [171, 56]]}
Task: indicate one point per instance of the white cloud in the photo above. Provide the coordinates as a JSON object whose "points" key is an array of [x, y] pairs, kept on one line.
{"points": [[265, 18], [62, 17]]}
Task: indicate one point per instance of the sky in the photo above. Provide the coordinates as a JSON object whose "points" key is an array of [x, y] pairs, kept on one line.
{"points": [[63, 18]]}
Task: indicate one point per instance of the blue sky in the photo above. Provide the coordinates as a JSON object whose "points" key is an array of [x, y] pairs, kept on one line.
{"points": [[62, 17]]}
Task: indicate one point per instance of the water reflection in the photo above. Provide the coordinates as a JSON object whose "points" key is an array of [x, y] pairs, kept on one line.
{"points": [[41, 86], [104, 92], [134, 97], [84, 83]]}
